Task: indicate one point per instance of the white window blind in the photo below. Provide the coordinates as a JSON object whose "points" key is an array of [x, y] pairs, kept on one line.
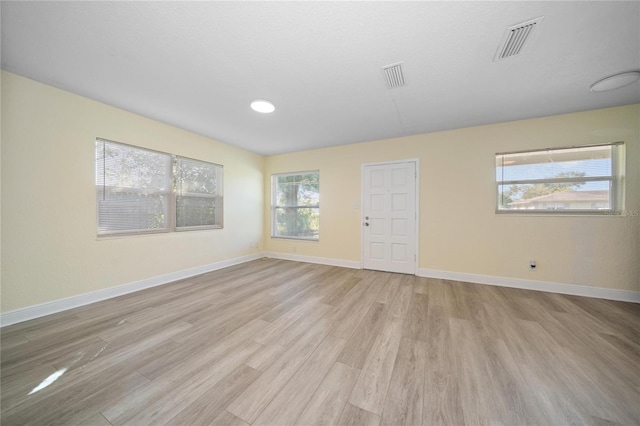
{"points": [[296, 205], [583, 179], [198, 198], [143, 191], [133, 188]]}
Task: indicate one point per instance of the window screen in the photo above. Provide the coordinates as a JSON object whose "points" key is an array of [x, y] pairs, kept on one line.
{"points": [[296, 205], [584, 179]]}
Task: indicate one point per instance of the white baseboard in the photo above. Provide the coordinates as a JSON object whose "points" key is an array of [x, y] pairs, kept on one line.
{"points": [[573, 289], [36, 311], [354, 264]]}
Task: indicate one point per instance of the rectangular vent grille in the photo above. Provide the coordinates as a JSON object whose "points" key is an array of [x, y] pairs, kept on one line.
{"points": [[394, 75], [515, 38]]}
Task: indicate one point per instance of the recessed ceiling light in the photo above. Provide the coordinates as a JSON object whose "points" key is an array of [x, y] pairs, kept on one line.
{"points": [[615, 81], [260, 105]]}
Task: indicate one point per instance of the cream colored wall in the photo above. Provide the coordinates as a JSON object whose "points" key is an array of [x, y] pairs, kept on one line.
{"points": [[50, 250], [49, 245], [459, 231]]}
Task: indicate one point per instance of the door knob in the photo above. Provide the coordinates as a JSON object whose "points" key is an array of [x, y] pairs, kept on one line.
{"points": [[366, 224]]}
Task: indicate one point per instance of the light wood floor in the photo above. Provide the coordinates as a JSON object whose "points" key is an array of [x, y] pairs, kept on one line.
{"points": [[274, 342]]}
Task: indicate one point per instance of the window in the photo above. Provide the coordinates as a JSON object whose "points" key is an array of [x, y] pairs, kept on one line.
{"points": [[144, 191], [198, 200], [296, 205], [569, 180]]}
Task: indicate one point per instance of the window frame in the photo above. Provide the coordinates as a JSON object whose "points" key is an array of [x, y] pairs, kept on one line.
{"points": [[275, 206], [172, 195], [616, 179]]}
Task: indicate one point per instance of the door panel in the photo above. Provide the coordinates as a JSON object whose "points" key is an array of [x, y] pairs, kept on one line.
{"points": [[389, 217]]}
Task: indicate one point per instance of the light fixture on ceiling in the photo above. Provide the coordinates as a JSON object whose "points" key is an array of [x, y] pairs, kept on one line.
{"points": [[263, 106], [615, 81]]}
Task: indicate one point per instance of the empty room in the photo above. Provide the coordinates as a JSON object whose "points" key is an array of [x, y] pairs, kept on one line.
{"points": [[320, 213]]}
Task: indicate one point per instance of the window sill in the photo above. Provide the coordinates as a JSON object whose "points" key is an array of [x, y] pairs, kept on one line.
{"points": [[313, 240]]}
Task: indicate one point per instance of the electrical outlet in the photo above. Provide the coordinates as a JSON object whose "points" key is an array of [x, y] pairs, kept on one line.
{"points": [[532, 265], [293, 249]]}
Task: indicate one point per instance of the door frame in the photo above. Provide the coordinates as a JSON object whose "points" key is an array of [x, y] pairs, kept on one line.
{"points": [[417, 205]]}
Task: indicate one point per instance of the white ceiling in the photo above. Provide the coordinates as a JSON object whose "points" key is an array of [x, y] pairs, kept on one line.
{"points": [[197, 65]]}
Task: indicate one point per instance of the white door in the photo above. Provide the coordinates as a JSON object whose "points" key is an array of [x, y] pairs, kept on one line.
{"points": [[389, 217]]}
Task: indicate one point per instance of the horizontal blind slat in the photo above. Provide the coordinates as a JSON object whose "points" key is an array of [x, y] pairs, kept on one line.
{"points": [[133, 187]]}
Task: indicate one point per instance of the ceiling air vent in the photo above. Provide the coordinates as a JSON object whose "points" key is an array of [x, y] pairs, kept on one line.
{"points": [[515, 38], [394, 75]]}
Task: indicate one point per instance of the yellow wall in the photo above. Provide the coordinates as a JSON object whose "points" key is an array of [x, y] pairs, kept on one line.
{"points": [[49, 245], [459, 231], [50, 249]]}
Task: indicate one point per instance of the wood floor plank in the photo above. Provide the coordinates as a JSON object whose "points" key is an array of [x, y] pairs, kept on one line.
{"points": [[405, 395], [273, 330], [248, 309], [15, 386], [11, 342], [600, 349], [81, 377], [289, 343], [212, 403], [45, 350], [192, 390], [294, 396], [79, 404], [359, 346], [414, 327], [389, 289], [95, 420], [265, 356], [402, 300], [290, 288], [175, 310], [120, 307], [301, 326], [370, 390], [344, 306], [348, 321], [260, 393], [421, 285], [436, 291], [528, 405], [334, 288], [442, 401], [167, 376], [356, 416], [566, 378], [509, 398], [343, 288], [442, 404], [53, 320], [474, 383], [227, 419], [330, 398]]}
